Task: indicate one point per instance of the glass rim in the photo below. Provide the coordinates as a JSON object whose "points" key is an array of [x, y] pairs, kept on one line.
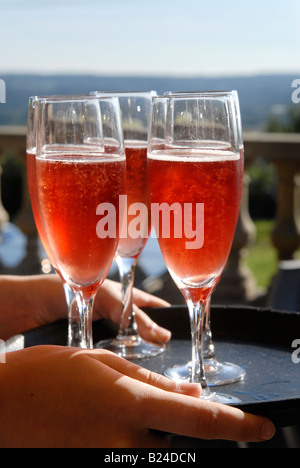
{"points": [[204, 92], [197, 95], [69, 98], [124, 93]]}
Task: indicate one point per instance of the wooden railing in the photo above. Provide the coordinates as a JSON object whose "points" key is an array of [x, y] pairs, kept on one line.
{"points": [[237, 284]]}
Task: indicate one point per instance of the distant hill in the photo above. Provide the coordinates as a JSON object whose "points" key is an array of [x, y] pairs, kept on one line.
{"points": [[259, 95]]}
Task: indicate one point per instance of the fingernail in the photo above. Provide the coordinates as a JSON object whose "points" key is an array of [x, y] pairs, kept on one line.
{"points": [[267, 431], [161, 333], [187, 386]]}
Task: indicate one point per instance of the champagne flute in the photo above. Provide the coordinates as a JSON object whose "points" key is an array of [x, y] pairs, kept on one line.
{"points": [[217, 372], [136, 113], [194, 149], [80, 170], [75, 338]]}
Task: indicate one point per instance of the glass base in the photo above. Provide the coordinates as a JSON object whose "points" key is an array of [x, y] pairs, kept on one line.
{"points": [[216, 373], [222, 398], [132, 348]]}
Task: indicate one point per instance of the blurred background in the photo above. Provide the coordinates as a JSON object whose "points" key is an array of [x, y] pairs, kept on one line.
{"points": [[75, 47]]}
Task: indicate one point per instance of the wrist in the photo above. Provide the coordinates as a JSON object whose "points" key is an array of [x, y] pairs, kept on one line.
{"points": [[29, 301]]}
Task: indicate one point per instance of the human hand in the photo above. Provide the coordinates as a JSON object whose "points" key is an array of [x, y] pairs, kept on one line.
{"points": [[108, 304], [32, 301], [65, 397]]}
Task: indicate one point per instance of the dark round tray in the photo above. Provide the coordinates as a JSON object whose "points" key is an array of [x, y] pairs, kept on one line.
{"points": [[258, 339]]}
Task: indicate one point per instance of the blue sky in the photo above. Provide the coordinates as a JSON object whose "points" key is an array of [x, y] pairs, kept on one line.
{"points": [[157, 37]]}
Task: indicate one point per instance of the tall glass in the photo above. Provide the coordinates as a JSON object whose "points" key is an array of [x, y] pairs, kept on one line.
{"points": [[136, 112], [75, 338], [80, 170], [217, 372], [195, 176]]}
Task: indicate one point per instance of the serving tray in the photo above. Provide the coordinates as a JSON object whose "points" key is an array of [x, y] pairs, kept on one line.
{"points": [[258, 339]]}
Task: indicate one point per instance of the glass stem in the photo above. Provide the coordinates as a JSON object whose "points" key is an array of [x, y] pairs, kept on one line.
{"points": [[87, 306], [207, 342], [128, 326], [197, 312], [80, 326], [74, 319]]}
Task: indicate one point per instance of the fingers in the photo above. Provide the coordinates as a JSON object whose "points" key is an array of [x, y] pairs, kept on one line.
{"points": [[220, 421], [145, 376], [160, 404], [198, 418], [177, 408], [159, 441], [108, 304], [149, 330], [144, 299]]}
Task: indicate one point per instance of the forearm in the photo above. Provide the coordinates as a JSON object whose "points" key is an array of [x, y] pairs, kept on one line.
{"points": [[29, 301]]}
